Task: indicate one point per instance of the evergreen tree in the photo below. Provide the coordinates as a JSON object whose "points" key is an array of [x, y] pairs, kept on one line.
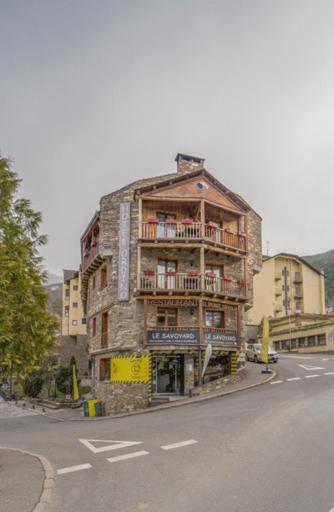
{"points": [[27, 331]]}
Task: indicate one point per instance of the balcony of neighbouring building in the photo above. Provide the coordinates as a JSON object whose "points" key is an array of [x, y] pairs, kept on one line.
{"points": [[90, 246]]}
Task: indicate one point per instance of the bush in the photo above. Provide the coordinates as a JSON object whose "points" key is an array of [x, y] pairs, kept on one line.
{"points": [[63, 381], [32, 385], [84, 390]]}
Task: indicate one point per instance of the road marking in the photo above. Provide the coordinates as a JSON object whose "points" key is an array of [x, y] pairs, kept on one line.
{"points": [[329, 373], [311, 376], [127, 456], [277, 382], [292, 378], [326, 359], [114, 446], [295, 357], [71, 469], [178, 445], [309, 368]]}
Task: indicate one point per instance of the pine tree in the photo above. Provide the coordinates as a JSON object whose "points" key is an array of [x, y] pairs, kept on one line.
{"points": [[27, 330]]}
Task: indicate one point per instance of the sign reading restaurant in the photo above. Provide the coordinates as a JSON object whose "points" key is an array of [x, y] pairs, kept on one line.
{"points": [[191, 337]]}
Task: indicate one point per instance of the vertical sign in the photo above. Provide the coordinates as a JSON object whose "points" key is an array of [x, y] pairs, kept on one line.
{"points": [[124, 251]]}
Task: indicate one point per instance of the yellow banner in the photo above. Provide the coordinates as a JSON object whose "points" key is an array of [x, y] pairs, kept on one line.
{"points": [[265, 340], [131, 369]]}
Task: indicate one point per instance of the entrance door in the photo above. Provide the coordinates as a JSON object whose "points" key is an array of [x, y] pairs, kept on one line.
{"points": [[167, 375], [166, 229]]}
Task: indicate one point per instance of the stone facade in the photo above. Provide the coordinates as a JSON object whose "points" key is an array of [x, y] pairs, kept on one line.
{"points": [[119, 327]]}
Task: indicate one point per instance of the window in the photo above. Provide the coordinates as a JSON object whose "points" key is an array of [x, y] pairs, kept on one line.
{"points": [[94, 326], [301, 342], [67, 309], [75, 304], [75, 287], [94, 282], [166, 317], [166, 274], [67, 292], [104, 280], [104, 373], [84, 320], [104, 333], [213, 275], [311, 341], [165, 229], [74, 322], [214, 319]]}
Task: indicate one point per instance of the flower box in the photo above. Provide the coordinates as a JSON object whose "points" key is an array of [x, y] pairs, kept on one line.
{"points": [[187, 221], [241, 281], [227, 278], [148, 273], [170, 274], [153, 221], [170, 221], [229, 231], [193, 273], [212, 225], [242, 234], [210, 274]]}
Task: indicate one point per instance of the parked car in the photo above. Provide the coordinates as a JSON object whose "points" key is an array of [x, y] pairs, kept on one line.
{"points": [[253, 353]]}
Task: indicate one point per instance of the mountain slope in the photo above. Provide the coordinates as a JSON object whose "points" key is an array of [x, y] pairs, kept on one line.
{"points": [[325, 261]]}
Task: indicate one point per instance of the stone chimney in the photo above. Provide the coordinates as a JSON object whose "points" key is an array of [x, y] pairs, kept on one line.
{"points": [[188, 163]]}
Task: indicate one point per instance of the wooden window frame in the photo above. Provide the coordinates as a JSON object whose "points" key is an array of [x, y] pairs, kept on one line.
{"points": [[221, 312], [94, 324], [104, 373], [103, 277], [93, 282], [167, 316]]}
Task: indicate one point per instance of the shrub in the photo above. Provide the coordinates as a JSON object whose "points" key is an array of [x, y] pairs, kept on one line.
{"points": [[32, 385], [63, 381]]}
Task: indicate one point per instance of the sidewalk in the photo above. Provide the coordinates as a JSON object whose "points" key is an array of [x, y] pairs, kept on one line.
{"points": [[18, 492], [253, 378]]}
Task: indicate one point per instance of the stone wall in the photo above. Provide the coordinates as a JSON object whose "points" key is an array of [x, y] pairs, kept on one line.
{"points": [[219, 383], [77, 346], [254, 259]]}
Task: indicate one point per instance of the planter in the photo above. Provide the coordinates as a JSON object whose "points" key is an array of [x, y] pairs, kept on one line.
{"points": [[210, 274], [170, 221], [227, 278], [171, 274], [212, 225], [149, 273], [187, 221], [153, 221], [193, 274]]}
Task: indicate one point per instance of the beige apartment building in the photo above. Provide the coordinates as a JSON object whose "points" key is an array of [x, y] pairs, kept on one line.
{"points": [[303, 333], [73, 318], [287, 285]]}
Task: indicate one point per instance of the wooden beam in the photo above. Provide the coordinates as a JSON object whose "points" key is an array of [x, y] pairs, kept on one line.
{"points": [[145, 324]]}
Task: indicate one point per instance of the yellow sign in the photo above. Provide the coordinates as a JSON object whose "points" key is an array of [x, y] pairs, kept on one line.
{"points": [[265, 340], [131, 369]]}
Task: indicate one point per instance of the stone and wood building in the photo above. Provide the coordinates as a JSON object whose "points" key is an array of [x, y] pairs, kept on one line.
{"points": [[167, 268]]}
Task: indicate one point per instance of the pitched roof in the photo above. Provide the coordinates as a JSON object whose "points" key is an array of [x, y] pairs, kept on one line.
{"points": [[294, 256]]}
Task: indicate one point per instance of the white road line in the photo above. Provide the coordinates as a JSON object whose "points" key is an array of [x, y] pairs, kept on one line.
{"points": [[178, 445], [131, 455], [277, 382], [328, 373], [292, 378], [71, 469], [326, 359], [311, 376]]}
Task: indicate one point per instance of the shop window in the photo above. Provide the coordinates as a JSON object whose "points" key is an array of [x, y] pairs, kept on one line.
{"points": [[166, 317], [94, 326], [277, 345], [311, 341], [214, 319], [321, 339], [104, 278], [301, 342], [104, 374]]}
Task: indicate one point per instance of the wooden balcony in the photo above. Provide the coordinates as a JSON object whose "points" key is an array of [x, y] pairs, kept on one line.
{"points": [[89, 257], [193, 282], [185, 231]]}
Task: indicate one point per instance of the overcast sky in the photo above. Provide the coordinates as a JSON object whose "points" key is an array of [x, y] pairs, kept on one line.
{"points": [[95, 94]]}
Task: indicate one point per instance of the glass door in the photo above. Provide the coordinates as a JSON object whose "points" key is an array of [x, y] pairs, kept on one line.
{"points": [[167, 375], [164, 228], [166, 274]]}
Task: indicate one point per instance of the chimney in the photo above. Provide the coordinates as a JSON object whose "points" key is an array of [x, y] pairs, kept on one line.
{"points": [[188, 163]]}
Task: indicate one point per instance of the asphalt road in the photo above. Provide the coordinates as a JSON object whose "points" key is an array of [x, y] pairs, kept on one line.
{"points": [[268, 449]]}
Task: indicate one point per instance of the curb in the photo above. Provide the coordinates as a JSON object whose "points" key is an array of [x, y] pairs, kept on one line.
{"points": [[166, 406], [48, 482]]}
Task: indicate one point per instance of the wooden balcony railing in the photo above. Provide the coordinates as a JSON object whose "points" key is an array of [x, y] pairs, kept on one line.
{"points": [[189, 282], [89, 257], [179, 231]]}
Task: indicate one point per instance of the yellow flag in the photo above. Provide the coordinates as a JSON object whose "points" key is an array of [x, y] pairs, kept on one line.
{"points": [[265, 340], [75, 390]]}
